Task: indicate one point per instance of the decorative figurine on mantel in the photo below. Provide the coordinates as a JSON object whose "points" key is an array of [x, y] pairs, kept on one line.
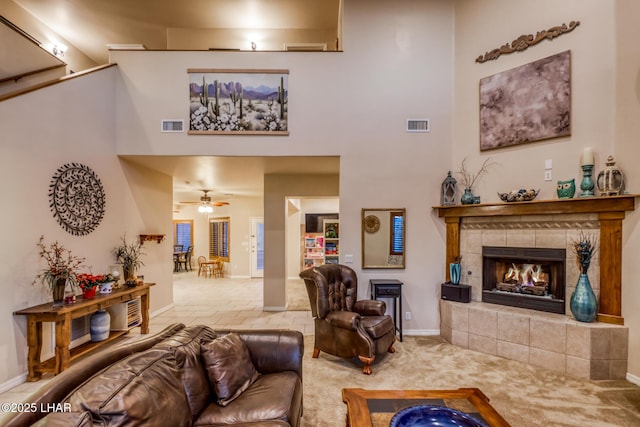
{"points": [[448, 195], [586, 162], [610, 180]]}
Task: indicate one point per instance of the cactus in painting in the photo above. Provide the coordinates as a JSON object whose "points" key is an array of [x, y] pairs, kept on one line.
{"points": [[216, 91], [282, 100], [204, 97]]}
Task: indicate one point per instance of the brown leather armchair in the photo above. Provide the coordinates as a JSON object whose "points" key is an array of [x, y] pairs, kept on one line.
{"points": [[345, 327]]}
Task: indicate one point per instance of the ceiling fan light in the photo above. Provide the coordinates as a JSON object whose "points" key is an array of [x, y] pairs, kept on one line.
{"points": [[205, 209]]}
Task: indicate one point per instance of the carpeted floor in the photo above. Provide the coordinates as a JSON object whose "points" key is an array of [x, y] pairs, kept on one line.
{"points": [[524, 395], [297, 298]]}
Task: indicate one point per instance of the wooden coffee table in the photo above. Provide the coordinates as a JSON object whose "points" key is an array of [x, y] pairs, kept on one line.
{"points": [[373, 408]]}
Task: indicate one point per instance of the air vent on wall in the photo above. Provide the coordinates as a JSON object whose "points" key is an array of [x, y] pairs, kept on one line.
{"points": [[305, 47], [417, 125], [172, 125]]}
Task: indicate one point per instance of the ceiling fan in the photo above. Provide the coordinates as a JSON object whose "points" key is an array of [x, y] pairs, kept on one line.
{"points": [[206, 205]]}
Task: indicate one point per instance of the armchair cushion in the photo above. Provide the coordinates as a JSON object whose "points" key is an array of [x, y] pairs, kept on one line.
{"points": [[229, 367], [369, 307], [377, 326], [343, 319]]}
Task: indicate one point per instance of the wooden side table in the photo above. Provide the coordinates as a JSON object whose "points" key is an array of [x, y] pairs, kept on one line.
{"points": [[62, 316], [389, 288]]}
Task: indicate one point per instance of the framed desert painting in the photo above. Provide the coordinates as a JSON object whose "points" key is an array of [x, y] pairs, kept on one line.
{"points": [[526, 104], [238, 101]]}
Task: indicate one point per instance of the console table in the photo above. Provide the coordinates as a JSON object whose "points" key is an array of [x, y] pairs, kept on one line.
{"points": [[389, 288], [62, 316]]}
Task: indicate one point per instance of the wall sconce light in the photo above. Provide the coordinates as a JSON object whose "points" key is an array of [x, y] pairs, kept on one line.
{"points": [[59, 49]]}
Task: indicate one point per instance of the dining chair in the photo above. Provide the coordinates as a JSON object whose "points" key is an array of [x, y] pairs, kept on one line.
{"points": [[203, 267]]}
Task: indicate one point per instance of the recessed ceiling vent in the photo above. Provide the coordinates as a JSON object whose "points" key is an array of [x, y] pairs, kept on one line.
{"points": [[417, 125], [172, 125]]}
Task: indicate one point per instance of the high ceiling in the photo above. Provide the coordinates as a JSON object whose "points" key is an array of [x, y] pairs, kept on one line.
{"points": [[91, 25]]}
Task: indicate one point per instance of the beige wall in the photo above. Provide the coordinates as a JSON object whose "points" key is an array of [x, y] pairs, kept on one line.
{"points": [[352, 104], [38, 136], [627, 133], [604, 112]]}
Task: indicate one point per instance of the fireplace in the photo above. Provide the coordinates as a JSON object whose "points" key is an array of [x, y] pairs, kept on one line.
{"points": [[532, 278]]}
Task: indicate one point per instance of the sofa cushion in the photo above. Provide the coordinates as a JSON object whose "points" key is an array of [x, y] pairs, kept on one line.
{"points": [[143, 389], [186, 347], [272, 397], [65, 419], [229, 367]]}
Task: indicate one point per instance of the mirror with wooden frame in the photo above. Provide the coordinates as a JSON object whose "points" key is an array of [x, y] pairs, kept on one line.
{"points": [[383, 238]]}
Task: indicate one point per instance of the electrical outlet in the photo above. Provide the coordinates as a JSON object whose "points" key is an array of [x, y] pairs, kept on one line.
{"points": [[547, 175], [407, 315], [348, 258]]}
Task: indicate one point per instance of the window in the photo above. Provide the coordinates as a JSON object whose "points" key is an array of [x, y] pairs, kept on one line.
{"points": [[396, 246], [183, 233], [219, 238]]}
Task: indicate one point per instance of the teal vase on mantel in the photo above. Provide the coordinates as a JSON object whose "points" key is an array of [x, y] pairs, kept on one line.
{"points": [[467, 197]]}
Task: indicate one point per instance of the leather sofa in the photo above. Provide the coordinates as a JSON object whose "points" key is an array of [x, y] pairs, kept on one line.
{"points": [[182, 376]]}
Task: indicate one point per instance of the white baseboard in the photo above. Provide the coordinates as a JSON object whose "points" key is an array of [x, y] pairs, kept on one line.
{"points": [[274, 308], [14, 382], [633, 379], [161, 310], [239, 277], [420, 332]]}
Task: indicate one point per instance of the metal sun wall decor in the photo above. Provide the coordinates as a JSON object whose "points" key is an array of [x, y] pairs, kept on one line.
{"points": [[238, 102], [526, 104], [76, 198]]}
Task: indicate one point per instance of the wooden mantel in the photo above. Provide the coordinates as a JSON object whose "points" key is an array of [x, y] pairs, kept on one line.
{"points": [[610, 211]]}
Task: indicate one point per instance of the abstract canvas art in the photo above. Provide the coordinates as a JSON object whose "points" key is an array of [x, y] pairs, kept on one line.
{"points": [[525, 104]]}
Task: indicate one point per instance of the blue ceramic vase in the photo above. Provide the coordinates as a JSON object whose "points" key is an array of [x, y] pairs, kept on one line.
{"points": [[100, 325], [583, 304], [467, 197], [454, 272]]}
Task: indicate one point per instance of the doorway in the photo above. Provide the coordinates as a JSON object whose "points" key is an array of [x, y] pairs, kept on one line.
{"points": [[257, 247]]}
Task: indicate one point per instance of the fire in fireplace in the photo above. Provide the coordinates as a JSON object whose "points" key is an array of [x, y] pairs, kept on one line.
{"points": [[531, 278]]}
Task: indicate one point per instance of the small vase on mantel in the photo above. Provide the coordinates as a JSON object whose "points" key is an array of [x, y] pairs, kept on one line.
{"points": [[583, 303], [467, 197]]}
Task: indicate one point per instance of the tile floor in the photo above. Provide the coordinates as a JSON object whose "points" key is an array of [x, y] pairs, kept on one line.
{"points": [[220, 303]]}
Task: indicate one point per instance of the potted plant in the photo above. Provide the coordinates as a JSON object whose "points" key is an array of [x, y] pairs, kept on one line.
{"points": [[61, 270], [89, 284], [130, 256]]}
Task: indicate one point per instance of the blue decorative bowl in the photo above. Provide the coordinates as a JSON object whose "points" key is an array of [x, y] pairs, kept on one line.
{"points": [[428, 415]]}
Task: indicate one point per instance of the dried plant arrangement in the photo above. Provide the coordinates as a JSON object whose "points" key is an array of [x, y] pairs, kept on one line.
{"points": [[468, 178]]}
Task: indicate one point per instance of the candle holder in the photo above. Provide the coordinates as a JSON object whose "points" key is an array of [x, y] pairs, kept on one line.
{"points": [[587, 183]]}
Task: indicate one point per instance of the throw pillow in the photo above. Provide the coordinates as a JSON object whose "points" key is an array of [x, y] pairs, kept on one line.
{"points": [[229, 367]]}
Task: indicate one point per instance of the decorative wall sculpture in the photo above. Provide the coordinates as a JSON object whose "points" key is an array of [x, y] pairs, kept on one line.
{"points": [[77, 199], [524, 41], [525, 104]]}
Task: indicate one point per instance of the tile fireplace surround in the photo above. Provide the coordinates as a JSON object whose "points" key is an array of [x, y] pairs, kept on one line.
{"points": [[595, 351]]}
